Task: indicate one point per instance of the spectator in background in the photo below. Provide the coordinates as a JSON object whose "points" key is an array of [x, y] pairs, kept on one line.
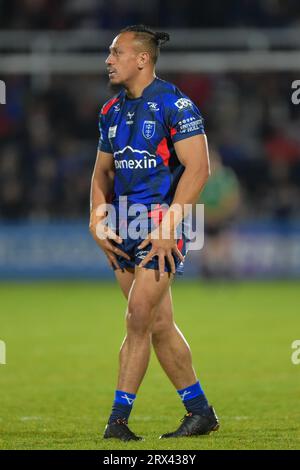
{"points": [[51, 133], [281, 201], [70, 14], [11, 187]]}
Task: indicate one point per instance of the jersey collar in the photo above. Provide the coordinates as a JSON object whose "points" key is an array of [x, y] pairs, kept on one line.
{"points": [[147, 92]]}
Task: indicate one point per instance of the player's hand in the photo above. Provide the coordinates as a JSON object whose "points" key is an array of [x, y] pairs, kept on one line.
{"points": [[103, 235], [163, 246]]}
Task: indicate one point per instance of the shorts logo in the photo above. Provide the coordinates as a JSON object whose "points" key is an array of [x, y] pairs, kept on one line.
{"points": [[112, 132], [141, 254], [183, 103], [148, 129]]}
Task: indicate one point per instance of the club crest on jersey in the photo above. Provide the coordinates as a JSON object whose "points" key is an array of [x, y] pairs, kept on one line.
{"points": [[148, 129]]}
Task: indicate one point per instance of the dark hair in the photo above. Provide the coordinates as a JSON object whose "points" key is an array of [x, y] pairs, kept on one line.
{"points": [[153, 40]]}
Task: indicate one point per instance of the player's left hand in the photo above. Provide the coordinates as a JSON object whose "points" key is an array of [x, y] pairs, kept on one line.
{"points": [[163, 247]]}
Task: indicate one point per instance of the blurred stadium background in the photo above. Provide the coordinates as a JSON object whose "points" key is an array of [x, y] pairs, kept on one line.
{"points": [[237, 60]]}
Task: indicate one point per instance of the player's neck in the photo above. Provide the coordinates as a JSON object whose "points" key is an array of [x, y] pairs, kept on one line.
{"points": [[135, 90]]}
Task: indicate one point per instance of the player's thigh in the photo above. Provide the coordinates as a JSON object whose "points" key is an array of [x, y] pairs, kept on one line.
{"points": [[164, 309], [163, 318], [125, 280], [149, 288]]}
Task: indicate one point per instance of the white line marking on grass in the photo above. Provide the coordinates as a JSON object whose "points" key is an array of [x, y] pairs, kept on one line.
{"points": [[30, 418]]}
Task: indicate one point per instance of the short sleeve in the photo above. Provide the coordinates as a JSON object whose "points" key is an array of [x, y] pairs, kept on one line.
{"points": [[104, 143], [184, 118]]}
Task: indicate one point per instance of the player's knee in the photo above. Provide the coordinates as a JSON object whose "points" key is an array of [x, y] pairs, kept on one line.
{"points": [[138, 317], [161, 327]]}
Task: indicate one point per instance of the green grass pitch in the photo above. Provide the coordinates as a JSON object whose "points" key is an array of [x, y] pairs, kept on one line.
{"points": [[62, 343]]}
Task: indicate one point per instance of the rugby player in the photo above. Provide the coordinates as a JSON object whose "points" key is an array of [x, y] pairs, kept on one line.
{"points": [[152, 151]]}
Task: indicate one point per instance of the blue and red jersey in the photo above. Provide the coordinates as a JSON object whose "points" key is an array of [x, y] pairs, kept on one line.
{"points": [[141, 133]]}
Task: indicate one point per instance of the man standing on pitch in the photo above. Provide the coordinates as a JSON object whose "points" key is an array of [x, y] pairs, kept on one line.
{"points": [[152, 151]]}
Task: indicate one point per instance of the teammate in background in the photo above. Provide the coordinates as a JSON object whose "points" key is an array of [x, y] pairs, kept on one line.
{"points": [[153, 150]]}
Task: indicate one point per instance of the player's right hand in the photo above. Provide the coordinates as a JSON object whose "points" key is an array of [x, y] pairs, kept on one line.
{"points": [[103, 235]]}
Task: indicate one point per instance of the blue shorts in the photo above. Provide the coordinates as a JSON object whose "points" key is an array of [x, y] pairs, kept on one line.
{"points": [[130, 246]]}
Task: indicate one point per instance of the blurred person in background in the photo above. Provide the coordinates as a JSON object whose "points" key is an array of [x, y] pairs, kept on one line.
{"points": [[221, 198]]}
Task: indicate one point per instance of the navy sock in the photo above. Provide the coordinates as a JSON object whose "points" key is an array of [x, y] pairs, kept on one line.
{"points": [[122, 406], [194, 399]]}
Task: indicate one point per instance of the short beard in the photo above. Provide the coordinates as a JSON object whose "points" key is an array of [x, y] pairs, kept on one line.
{"points": [[114, 88]]}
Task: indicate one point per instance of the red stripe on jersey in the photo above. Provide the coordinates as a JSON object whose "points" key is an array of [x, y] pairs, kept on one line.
{"points": [[157, 214], [180, 244], [163, 151], [173, 131], [108, 105]]}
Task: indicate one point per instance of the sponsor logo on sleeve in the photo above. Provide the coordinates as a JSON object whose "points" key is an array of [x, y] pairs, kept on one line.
{"points": [[183, 103], [189, 125], [112, 132]]}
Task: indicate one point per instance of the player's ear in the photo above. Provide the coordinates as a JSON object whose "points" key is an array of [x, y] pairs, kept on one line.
{"points": [[143, 59]]}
